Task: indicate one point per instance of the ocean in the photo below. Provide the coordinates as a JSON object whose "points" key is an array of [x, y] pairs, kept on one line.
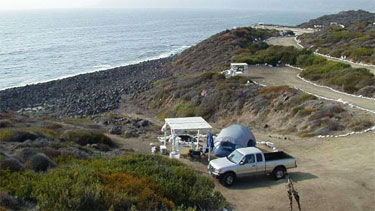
{"points": [[42, 45]]}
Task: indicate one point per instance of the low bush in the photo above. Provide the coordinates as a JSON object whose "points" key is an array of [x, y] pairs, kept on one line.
{"points": [[275, 89], [307, 97], [144, 182], [16, 135], [352, 42], [5, 123], [84, 137], [361, 125]]}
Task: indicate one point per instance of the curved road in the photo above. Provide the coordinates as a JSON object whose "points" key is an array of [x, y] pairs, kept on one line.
{"points": [[277, 76]]}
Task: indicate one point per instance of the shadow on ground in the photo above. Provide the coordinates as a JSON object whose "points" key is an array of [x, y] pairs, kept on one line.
{"points": [[267, 181]]}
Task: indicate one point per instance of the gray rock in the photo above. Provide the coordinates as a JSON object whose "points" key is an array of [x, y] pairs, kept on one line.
{"points": [[26, 153], [131, 134], [144, 123], [40, 162], [322, 131], [117, 130], [11, 164]]}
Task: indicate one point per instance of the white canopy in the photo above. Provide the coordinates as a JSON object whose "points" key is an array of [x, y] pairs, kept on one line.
{"points": [[179, 126], [188, 123], [238, 64]]}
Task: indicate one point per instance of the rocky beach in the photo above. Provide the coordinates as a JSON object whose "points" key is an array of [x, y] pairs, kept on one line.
{"points": [[85, 94]]}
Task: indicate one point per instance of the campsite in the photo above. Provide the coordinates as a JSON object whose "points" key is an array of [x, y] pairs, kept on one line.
{"points": [[255, 117]]}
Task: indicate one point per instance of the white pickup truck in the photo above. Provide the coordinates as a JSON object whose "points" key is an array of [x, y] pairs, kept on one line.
{"points": [[250, 161]]}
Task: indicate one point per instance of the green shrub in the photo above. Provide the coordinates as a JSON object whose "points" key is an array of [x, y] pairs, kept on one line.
{"points": [[307, 97], [184, 109], [84, 137], [16, 135], [212, 75], [305, 134], [275, 89], [144, 182], [77, 120]]}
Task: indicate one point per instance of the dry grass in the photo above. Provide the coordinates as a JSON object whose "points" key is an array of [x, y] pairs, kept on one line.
{"points": [[275, 89]]}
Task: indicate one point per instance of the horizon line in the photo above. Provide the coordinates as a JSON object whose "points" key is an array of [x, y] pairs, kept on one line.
{"points": [[206, 8]]}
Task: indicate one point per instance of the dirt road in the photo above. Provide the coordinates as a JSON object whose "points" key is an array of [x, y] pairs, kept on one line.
{"points": [[332, 174], [297, 31], [283, 41], [288, 76]]}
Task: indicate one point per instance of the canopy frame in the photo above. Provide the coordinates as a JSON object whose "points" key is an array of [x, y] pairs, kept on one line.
{"points": [[179, 126]]}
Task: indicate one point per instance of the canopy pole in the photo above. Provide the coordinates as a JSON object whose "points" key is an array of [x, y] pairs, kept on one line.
{"points": [[165, 137], [197, 146], [172, 139]]}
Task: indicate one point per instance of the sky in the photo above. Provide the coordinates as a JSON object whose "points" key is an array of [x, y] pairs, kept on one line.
{"points": [[320, 5]]}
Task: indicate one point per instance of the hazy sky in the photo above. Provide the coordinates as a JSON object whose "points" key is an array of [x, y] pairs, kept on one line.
{"points": [[321, 5]]}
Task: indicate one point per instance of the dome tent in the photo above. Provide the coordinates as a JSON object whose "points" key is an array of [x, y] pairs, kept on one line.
{"points": [[231, 138]]}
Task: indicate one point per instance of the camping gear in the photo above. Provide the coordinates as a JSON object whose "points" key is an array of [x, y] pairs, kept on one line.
{"points": [[181, 126], [163, 150], [232, 138]]}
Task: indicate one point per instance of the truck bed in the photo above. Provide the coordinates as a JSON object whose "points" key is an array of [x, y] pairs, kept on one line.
{"points": [[270, 156]]}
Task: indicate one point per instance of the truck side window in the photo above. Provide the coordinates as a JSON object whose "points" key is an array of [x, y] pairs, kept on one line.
{"points": [[249, 159], [259, 157]]}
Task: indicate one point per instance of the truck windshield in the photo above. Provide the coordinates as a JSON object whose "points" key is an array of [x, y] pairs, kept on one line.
{"points": [[235, 156]]}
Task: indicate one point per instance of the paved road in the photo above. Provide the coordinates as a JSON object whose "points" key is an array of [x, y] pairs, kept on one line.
{"points": [[272, 76]]}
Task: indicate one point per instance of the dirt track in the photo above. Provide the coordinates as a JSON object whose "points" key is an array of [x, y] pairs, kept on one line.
{"points": [[288, 76], [284, 41]]}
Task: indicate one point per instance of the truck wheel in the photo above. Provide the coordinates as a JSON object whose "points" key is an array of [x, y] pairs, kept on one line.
{"points": [[228, 179], [279, 173]]}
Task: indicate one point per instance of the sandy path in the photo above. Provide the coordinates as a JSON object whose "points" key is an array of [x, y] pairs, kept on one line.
{"points": [[287, 76], [283, 41], [297, 31]]}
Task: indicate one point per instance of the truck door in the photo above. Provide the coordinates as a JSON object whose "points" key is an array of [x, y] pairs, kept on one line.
{"points": [[247, 166], [261, 164]]}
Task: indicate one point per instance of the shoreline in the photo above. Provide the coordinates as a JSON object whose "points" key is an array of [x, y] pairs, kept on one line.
{"points": [[172, 53], [86, 94]]}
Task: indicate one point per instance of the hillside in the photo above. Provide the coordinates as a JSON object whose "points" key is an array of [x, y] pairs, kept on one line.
{"points": [[198, 89], [345, 18], [355, 42], [215, 53]]}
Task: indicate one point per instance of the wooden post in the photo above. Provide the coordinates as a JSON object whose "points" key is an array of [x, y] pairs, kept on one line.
{"points": [[292, 193]]}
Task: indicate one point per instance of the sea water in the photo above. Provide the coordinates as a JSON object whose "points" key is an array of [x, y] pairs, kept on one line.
{"points": [[43, 45]]}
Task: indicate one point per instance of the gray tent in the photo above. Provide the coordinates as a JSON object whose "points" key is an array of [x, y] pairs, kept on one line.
{"points": [[233, 137]]}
